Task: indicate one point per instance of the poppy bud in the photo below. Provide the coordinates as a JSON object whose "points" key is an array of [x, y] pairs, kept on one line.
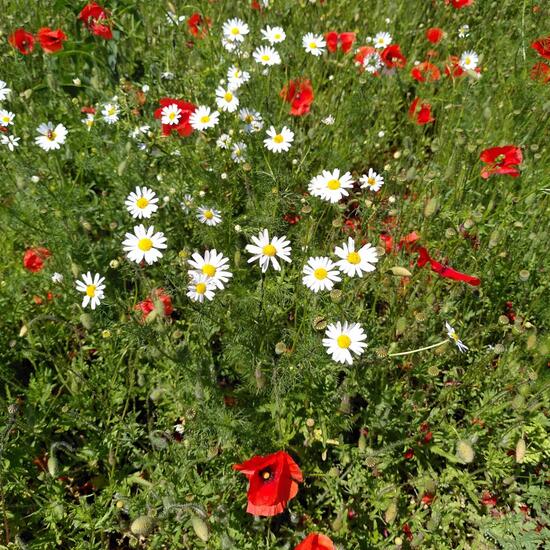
{"points": [[201, 528], [465, 451], [52, 465], [142, 526], [520, 450], [86, 321], [391, 513]]}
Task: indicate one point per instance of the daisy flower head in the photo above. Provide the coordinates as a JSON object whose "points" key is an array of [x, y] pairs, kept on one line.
{"points": [[314, 44], [236, 77], [89, 121], [213, 265], [274, 35], [252, 119], [330, 186], [328, 121], [371, 180], [278, 142], [110, 113], [320, 273], [93, 288], [469, 60], [4, 90], [200, 288], [226, 100], [464, 31], [170, 114], [6, 118], [203, 118], [382, 40], [51, 137], [224, 141], [209, 216], [265, 55], [142, 202], [234, 30], [186, 203], [353, 262], [372, 62], [454, 338], [11, 142], [144, 244], [267, 250], [237, 152], [343, 338]]}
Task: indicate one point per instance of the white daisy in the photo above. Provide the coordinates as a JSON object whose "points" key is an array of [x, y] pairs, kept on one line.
{"points": [[330, 186], [454, 338], [4, 90], [6, 117], [50, 137], [11, 142], [266, 55], [252, 119], [237, 152], [267, 250], [230, 46], [170, 114], [273, 35], [236, 77], [469, 60], [463, 31], [214, 265], [382, 40], [143, 244], [354, 262], [141, 203], [320, 274], [209, 216], [110, 113], [372, 62], [203, 118], [200, 288], [328, 121], [57, 278], [89, 121], [342, 339], [235, 30], [372, 180], [92, 288], [226, 100], [314, 44], [139, 131], [277, 142], [224, 141], [186, 203]]}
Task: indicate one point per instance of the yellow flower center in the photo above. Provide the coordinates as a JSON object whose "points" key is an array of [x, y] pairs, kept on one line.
{"points": [[111, 111], [90, 291], [371, 181], [200, 288], [208, 214], [6, 119], [454, 336], [313, 45], [354, 258], [269, 250], [248, 118], [172, 115], [344, 341], [228, 96], [145, 244], [51, 135], [235, 31], [142, 202], [265, 57], [467, 61], [278, 138], [320, 273], [204, 119], [209, 269], [333, 185], [277, 36]]}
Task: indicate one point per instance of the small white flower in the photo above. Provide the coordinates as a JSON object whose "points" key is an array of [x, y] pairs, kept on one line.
{"points": [[231, 47], [209, 216], [372, 63], [463, 31], [252, 120], [353, 262], [139, 131], [382, 40], [142, 202], [214, 265], [314, 44], [92, 288], [266, 55], [469, 61], [57, 278], [110, 113], [143, 244], [4, 90], [170, 114], [226, 100], [454, 338], [278, 142], [267, 250], [89, 121], [200, 288], [234, 30], [203, 118], [11, 142], [237, 152], [6, 118], [145, 88], [320, 274], [329, 120], [342, 339], [236, 77], [224, 141], [330, 186], [167, 75], [50, 137], [274, 35], [186, 203], [372, 180]]}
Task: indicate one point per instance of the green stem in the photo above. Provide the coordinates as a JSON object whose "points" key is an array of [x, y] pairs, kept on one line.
{"points": [[417, 350]]}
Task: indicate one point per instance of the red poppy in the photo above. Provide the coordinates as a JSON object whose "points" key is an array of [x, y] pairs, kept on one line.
{"points": [[426, 71], [407, 530], [393, 57], [434, 35], [158, 297], [33, 260], [299, 93], [198, 25], [86, 109], [501, 160], [51, 40], [92, 15], [183, 128], [22, 40], [542, 45], [540, 72], [345, 39], [421, 113], [447, 272], [363, 52], [316, 541], [453, 68], [427, 499], [487, 499], [273, 481], [408, 454], [458, 4]]}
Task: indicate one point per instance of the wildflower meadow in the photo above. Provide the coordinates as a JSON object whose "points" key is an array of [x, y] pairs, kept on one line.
{"points": [[275, 274]]}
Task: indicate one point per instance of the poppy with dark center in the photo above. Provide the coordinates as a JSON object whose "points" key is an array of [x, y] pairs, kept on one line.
{"points": [[542, 46], [94, 16], [434, 35], [426, 71], [34, 258], [421, 112], [273, 481], [22, 41], [345, 40], [198, 25], [316, 541], [51, 40], [299, 93], [182, 127], [501, 160], [393, 57]]}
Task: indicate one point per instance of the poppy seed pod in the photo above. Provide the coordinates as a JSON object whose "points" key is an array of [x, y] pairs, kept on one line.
{"points": [[142, 526]]}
